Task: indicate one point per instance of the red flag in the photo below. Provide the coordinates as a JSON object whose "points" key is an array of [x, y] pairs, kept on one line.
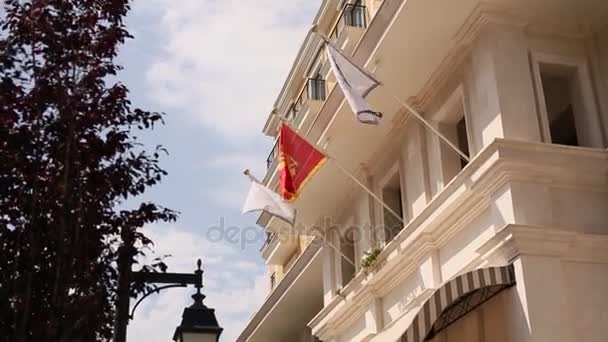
{"points": [[299, 160]]}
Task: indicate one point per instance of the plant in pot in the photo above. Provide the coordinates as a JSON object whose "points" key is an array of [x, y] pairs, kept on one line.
{"points": [[370, 259]]}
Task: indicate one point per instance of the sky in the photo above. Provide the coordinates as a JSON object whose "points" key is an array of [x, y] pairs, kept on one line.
{"points": [[215, 67]]}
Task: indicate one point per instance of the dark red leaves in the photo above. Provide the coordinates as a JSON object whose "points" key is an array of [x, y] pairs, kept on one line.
{"points": [[69, 160]]}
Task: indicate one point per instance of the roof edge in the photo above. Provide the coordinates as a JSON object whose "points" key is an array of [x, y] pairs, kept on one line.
{"points": [[306, 48]]}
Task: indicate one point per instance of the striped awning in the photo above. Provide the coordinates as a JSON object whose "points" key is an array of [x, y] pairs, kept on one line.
{"points": [[456, 298]]}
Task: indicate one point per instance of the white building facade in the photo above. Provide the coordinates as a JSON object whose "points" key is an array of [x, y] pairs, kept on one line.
{"points": [[511, 246]]}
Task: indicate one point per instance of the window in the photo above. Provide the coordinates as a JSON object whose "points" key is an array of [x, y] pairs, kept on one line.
{"points": [[558, 104], [561, 95], [347, 249], [463, 140], [392, 196], [568, 114], [316, 88], [452, 123], [354, 14]]}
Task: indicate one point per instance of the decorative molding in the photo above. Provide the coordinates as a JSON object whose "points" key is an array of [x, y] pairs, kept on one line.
{"points": [[558, 242], [414, 300], [486, 14], [460, 202], [482, 15]]}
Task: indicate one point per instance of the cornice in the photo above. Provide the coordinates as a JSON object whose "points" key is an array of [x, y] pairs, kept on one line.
{"points": [[310, 46], [559, 242], [363, 50], [460, 202], [486, 14], [482, 15]]}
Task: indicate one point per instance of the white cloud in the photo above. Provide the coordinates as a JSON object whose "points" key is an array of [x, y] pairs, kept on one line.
{"points": [[228, 276], [230, 193], [222, 64], [224, 60]]}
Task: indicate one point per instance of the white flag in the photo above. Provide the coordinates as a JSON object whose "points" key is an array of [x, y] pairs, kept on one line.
{"points": [[355, 84], [262, 198]]}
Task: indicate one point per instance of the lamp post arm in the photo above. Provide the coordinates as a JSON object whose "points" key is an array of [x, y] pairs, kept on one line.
{"points": [[128, 278], [166, 278], [156, 290]]}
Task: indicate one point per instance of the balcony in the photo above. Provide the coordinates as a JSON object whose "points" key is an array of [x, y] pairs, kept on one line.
{"points": [[280, 249], [270, 238], [311, 97], [300, 288], [309, 102], [352, 16], [273, 154]]}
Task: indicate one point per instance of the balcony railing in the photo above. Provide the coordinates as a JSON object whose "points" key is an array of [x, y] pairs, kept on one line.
{"points": [[273, 281], [273, 154], [268, 240], [354, 15], [314, 90]]}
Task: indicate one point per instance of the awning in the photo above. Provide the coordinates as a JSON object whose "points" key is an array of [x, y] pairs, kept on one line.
{"points": [[455, 299]]}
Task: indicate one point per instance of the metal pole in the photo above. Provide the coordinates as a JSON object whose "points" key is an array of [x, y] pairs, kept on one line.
{"points": [[346, 172], [253, 179], [349, 59], [123, 298], [402, 103], [369, 191], [250, 176], [332, 246], [433, 129]]}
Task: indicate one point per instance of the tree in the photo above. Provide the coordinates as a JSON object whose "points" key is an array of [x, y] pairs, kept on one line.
{"points": [[69, 161]]}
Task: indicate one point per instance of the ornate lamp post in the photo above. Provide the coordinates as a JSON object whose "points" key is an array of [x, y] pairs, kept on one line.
{"points": [[198, 321]]}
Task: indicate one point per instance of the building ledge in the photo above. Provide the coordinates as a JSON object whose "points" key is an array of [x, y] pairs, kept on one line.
{"points": [[356, 40], [289, 289], [467, 195], [269, 246]]}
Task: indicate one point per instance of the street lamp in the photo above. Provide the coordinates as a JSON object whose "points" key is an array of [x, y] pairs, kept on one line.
{"points": [[198, 321]]}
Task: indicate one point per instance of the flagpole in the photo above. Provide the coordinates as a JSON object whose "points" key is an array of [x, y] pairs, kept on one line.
{"points": [[404, 104], [332, 246], [368, 190], [247, 173], [430, 127], [327, 41]]}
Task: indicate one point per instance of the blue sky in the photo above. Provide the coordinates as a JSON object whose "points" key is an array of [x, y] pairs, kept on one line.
{"points": [[215, 67]]}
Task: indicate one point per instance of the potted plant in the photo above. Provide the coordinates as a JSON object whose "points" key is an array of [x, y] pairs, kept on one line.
{"points": [[370, 258]]}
